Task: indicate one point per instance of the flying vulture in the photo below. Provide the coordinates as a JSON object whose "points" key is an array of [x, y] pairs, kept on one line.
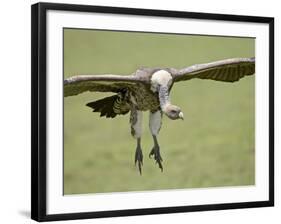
{"points": [[148, 89]]}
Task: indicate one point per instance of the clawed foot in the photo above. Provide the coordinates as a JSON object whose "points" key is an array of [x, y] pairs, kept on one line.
{"points": [[157, 157], [139, 158]]}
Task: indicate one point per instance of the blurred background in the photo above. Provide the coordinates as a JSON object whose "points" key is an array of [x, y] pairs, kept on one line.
{"points": [[212, 147]]}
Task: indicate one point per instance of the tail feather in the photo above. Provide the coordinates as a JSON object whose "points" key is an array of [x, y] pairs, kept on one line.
{"points": [[106, 106]]}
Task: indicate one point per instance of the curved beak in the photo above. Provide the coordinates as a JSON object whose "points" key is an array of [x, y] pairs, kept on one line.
{"points": [[181, 115]]}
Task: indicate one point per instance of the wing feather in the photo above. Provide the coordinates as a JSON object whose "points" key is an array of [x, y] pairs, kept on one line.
{"points": [[229, 70], [98, 83]]}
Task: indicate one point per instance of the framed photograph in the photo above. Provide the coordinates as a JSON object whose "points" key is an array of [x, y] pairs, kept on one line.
{"points": [[139, 111]]}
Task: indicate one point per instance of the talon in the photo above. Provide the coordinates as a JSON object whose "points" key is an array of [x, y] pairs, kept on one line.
{"points": [[151, 153], [157, 157], [139, 159]]}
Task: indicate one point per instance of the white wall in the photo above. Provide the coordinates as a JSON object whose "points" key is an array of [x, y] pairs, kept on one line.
{"points": [[15, 110]]}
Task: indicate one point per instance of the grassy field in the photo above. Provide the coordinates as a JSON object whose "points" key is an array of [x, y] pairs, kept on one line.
{"points": [[213, 146]]}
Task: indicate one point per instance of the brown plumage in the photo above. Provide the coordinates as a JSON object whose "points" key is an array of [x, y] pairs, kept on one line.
{"points": [[111, 106], [148, 89]]}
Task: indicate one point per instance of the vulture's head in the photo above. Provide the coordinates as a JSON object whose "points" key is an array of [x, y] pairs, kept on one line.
{"points": [[173, 112]]}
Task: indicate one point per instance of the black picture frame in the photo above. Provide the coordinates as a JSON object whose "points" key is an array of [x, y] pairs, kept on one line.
{"points": [[39, 122]]}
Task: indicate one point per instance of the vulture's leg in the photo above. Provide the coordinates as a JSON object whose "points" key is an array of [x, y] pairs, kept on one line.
{"points": [[155, 121], [136, 131]]}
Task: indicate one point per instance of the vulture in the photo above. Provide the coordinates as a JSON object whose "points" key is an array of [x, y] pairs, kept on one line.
{"points": [[148, 89]]}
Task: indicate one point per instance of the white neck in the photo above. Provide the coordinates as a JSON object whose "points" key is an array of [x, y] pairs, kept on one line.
{"points": [[161, 82], [164, 97], [161, 78]]}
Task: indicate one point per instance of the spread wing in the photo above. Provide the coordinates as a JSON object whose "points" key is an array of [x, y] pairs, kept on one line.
{"points": [[229, 70], [98, 83]]}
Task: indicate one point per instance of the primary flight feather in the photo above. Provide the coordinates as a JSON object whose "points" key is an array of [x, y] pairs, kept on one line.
{"points": [[148, 89]]}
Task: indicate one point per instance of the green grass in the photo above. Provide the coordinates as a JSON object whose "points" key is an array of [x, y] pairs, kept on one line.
{"points": [[213, 146]]}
